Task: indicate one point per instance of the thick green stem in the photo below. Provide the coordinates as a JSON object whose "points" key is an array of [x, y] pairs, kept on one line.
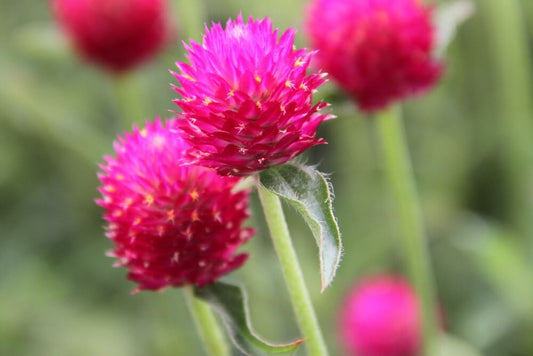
{"points": [[212, 336], [301, 301], [403, 188], [508, 39]]}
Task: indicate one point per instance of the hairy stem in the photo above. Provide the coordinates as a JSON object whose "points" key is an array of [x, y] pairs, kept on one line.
{"points": [[292, 272]]}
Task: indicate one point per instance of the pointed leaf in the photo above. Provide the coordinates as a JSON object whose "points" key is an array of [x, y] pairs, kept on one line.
{"points": [[230, 303], [309, 191], [448, 17]]}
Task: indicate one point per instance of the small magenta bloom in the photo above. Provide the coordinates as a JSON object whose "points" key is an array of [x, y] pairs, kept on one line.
{"points": [[247, 99], [172, 224], [378, 51], [116, 34], [380, 318]]}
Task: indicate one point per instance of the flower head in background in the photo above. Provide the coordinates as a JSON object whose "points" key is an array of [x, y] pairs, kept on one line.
{"points": [[378, 51], [115, 34], [380, 318], [172, 224], [247, 98]]}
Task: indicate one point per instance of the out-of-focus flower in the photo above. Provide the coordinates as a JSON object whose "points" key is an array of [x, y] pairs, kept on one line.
{"points": [[377, 50], [116, 34], [247, 99], [172, 224], [380, 317]]}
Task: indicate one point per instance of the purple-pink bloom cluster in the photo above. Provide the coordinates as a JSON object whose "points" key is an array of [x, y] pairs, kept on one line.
{"points": [[247, 98]]}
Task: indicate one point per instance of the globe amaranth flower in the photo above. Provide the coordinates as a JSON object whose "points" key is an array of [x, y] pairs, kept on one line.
{"points": [[116, 34], [247, 98], [378, 51], [380, 317], [172, 224]]}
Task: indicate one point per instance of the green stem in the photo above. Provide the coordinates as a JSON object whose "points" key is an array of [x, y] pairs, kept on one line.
{"points": [[403, 188], [208, 327], [292, 272], [129, 101], [192, 15], [506, 27]]}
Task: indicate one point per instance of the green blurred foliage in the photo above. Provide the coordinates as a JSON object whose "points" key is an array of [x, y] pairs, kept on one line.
{"points": [[58, 116]]}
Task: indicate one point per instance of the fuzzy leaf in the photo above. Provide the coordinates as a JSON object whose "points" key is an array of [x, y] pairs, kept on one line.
{"points": [[309, 191], [230, 303], [448, 17]]}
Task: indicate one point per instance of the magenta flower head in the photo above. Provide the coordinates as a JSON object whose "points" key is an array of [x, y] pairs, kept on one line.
{"points": [[172, 224], [116, 34], [378, 51], [380, 318], [247, 98]]}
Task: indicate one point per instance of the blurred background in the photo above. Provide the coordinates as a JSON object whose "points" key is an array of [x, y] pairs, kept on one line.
{"points": [[59, 294]]}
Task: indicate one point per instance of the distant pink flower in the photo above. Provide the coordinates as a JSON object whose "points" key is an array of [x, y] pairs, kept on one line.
{"points": [[247, 99], [172, 225], [116, 34], [380, 318], [379, 51]]}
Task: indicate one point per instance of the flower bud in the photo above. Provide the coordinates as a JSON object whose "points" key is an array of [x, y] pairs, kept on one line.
{"points": [[380, 317], [115, 34], [378, 51]]}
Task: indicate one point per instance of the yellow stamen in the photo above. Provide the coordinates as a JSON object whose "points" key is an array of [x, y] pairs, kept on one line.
{"points": [[186, 76], [170, 215], [149, 199], [194, 195], [194, 216], [128, 202]]}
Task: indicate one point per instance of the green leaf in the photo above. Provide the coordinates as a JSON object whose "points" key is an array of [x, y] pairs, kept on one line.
{"points": [[309, 191], [500, 260], [230, 303], [448, 17]]}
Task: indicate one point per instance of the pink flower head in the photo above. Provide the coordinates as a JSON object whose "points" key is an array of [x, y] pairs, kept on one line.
{"points": [[380, 318], [377, 50], [172, 224], [247, 99], [116, 34]]}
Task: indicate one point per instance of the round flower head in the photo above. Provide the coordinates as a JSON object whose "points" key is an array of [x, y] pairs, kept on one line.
{"points": [[247, 99], [380, 318], [172, 224], [377, 50], [116, 34]]}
